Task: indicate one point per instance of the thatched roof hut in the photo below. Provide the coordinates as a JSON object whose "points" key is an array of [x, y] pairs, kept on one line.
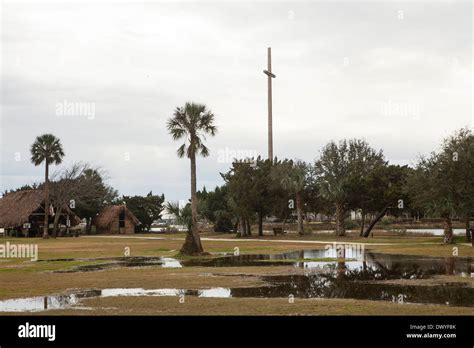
{"points": [[21, 207], [116, 219], [17, 207]]}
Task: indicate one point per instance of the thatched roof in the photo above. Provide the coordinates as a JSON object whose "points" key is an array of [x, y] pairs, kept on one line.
{"points": [[110, 214], [16, 207]]}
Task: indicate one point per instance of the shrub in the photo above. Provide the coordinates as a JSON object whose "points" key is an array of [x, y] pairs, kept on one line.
{"points": [[171, 229], [223, 224], [351, 224], [387, 220]]}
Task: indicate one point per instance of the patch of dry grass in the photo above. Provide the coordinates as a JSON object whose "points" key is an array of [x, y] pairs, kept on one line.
{"points": [[23, 278], [253, 306], [16, 284]]}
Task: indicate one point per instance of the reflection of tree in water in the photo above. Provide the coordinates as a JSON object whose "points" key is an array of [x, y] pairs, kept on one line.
{"points": [[405, 265], [340, 281], [428, 266], [354, 284], [449, 265]]}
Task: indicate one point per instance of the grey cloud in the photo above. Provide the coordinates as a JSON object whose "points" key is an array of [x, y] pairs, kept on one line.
{"points": [[137, 62]]}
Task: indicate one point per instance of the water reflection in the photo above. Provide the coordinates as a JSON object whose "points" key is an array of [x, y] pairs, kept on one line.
{"points": [[350, 286], [138, 292], [347, 284], [215, 293], [338, 258], [122, 262], [333, 260], [169, 262], [40, 303]]}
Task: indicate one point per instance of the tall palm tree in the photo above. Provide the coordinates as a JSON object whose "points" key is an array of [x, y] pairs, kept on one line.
{"points": [[192, 123], [46, 148]]}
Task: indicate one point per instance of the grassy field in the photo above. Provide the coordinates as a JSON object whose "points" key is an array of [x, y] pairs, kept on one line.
{"points": [[24, 278], [253, 306]]}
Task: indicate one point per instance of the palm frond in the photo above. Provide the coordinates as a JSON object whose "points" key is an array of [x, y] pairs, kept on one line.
{"points": [[193, 122], [182, 150], [46, 148], [204, 150]]}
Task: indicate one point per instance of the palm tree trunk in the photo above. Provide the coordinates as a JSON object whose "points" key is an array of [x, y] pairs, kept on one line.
{"points": [[192, 245], [449, 265], [340, 229], [299, 212], [448, 230], [301, 259], [46, 200]]}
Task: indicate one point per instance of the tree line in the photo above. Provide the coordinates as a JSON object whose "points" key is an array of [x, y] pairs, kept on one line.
{"points": [[348, 175]]}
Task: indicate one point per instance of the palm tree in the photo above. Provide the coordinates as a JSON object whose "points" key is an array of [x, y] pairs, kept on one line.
{"points": [[182, 214], [293, 178], [191, 123], [46, 148]]}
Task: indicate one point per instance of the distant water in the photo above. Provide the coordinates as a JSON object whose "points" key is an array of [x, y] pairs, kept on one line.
{"points": [[163, 229], [437, 231]]}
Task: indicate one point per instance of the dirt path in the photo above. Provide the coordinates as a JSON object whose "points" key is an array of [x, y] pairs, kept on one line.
{"points": [[235, 240]]}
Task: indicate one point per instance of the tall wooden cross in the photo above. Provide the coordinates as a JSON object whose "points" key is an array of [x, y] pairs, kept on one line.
{"points": [[270, 75]]}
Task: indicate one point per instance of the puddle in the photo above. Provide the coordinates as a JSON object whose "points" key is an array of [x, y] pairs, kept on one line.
{"points": [[139, 292], [215, 293], [357, 274], [119, 262], [347, 285], [212, 292], [325, 260], [169, 262], [330, 286], [41, 303], [353, 259]]}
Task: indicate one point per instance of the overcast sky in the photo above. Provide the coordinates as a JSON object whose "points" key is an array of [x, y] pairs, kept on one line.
{"points": [[398, 74]]}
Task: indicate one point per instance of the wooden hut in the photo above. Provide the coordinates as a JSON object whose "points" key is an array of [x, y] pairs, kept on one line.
{"points": [[115, 219], [22, 213]]}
